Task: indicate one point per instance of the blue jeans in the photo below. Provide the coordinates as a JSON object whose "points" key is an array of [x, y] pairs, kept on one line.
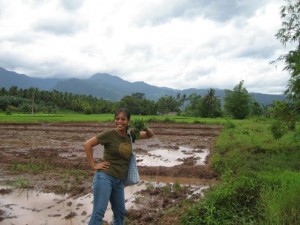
{"points": [[108, 188]]}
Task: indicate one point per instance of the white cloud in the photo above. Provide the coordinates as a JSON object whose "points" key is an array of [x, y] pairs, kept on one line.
{"points": [[178, 44]]}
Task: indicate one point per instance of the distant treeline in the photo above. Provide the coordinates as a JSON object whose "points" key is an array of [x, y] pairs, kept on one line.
{"points": [[34, 100]]}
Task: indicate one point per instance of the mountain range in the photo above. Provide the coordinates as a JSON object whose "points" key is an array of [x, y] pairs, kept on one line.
{"points": [[109, 87]]}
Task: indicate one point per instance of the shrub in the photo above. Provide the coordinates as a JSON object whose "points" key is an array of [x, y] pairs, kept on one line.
{"points": [[278, 130]]}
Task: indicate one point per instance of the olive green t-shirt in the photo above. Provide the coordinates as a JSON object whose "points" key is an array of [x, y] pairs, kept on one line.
{"points": [[117, 151]]}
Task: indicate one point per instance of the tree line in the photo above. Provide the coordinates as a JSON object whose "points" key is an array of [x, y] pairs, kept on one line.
{"points": [[238, 103]]}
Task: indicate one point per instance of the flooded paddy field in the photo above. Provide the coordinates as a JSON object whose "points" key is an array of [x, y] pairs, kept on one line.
{"points": [[45, 178]]}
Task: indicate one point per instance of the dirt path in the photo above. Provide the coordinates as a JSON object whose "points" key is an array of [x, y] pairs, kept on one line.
{"points": [[56, 157]]}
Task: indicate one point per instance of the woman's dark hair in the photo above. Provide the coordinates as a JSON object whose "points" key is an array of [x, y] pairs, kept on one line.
{"points": [[123, 110]]}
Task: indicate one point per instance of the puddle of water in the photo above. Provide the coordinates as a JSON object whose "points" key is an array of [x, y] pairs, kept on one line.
{"points": [[169, 158], [180, 180], [156, 157], [25, 206], [31, 207]]}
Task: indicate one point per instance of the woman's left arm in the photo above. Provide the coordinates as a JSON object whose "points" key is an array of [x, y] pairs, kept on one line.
{"points": [[147, 133]]}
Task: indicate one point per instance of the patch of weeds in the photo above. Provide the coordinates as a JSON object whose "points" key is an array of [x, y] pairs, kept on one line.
{"points": [[229, 125], [21, 183], [149, 186], [177, 188], [229, 203], [34, 168], [196, 122], [63, 186], [166, 190], [71, 179], [137, 199], [152, 120], [168, 120], [78, 175]]}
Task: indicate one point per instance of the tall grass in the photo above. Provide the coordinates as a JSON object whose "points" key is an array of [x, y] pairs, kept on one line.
{"points": [[231, 202], [260, 180], [280, 198], [21, 183]]}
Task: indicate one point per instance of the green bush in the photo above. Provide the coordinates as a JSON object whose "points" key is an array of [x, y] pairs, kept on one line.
{"points": [[87, 110], [278, 130]]}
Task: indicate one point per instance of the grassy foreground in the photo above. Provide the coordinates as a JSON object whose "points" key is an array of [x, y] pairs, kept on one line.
{"points": [[259, 176], [260, 179]]}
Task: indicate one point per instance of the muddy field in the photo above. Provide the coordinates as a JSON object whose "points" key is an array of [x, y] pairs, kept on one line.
{"points": [[58, 171]]}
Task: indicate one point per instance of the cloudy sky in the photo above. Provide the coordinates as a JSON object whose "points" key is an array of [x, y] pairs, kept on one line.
{"points": [[178, 44]]}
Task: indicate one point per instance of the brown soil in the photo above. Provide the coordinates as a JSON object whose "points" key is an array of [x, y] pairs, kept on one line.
{"points": [[59, 148]]}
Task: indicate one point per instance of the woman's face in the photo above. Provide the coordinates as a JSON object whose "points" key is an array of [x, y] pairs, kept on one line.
{"points": [[121, 121]]}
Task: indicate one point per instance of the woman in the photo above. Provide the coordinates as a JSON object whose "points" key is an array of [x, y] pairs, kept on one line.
{"points": [[108, 183]]}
